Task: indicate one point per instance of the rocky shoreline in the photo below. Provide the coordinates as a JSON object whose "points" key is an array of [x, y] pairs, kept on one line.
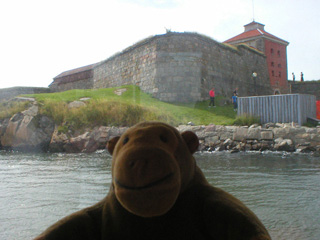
{"points": [[30, 131]]}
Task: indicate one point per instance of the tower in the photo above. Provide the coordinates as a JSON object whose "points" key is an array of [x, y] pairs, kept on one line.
{"points": [[273, 47]]}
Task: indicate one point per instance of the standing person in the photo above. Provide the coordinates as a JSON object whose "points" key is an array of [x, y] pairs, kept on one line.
{"points": [[212, 94], [302, 77], [293, 77], [235, 92], [235, 101]]}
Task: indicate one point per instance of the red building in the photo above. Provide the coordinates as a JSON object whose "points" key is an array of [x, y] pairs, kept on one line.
{"points": [[273, 47]]}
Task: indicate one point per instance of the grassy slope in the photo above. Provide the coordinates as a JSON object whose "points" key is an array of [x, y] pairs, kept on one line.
{"points": [[178, 113]]}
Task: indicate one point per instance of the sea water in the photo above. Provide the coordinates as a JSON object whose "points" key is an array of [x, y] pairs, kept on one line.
{"points": [[36, 190]]}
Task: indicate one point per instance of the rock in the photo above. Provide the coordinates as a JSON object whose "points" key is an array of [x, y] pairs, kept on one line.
{"points": [[87, 142], [77, 144], [240, 147], [201, 134], [269, 125], [304, 144], [191, 124], [311, 130], [315, 137], [210, 128], [183, 128], [256, 146], [280, 132], [266, 134], [23, 99], [235, 150], [279, 125], [120, 91], [28, 131], [265, 146], [247, 147], [85, 99], [306, 149], [240, 134], [212, 141], [58, 142], [202, 146], [284, 145], [226, 145], [76, 104], [225, 132], [3, 126], [97, 140], [254, 133], [32, 111], [114, 131]]}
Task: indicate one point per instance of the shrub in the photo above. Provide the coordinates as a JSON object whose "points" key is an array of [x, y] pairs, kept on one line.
{"points": [[100, 113], [246, 120], [8, 109], [54, 109]]}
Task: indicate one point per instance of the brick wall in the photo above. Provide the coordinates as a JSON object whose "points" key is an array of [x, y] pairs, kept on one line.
{"points": [[277, 61]]}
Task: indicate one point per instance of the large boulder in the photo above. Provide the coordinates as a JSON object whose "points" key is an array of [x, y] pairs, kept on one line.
{"points": [[27, 131], [284, 145], [58, 141]]}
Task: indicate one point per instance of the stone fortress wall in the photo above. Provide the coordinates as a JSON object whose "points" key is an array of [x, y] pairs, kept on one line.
{"points": [[180, 67], [9, 93], [306, 87]]}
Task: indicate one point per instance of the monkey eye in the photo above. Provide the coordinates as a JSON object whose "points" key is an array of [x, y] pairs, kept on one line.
{"points": [[163, 138], [125, 140]]}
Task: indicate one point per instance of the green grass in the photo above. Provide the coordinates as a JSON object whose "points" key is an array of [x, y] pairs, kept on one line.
{"points": [[106, 108], [8, 109]]}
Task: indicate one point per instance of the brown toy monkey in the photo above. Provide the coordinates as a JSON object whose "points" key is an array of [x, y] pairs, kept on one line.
{"points": [[158, 192]]}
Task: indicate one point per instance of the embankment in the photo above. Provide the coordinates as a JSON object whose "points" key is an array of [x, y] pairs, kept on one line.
{"points": [[273, 137], [30, 131]]}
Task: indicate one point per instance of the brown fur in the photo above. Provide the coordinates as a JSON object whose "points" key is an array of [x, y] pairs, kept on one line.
{"points": [[158, 192]]}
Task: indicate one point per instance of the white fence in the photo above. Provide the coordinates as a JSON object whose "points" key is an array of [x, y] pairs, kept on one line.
{"points": [[279, 108]]}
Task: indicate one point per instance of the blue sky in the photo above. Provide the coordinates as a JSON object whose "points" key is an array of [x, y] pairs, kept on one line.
{"points": [[42, 38]]}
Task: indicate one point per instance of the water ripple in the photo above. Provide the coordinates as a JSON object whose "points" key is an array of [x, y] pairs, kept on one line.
{"points": [[38, 189]]}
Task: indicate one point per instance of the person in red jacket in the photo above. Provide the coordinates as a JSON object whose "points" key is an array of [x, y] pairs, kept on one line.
{"points": [[212, 94]]}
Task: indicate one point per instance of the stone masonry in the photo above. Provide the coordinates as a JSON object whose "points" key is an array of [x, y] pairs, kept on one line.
{"points": [[307, 87], [181, 67], [9, 93]]}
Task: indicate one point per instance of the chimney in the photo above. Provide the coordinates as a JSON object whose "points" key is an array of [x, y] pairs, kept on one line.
{"points": [[253, 26]]}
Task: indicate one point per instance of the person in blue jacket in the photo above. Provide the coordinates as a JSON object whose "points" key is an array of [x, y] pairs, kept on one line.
{"points": [[235, 101]]}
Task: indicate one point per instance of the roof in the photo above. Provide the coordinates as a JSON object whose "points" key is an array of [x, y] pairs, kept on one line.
{"points": [[76, 70], [253, 34]]}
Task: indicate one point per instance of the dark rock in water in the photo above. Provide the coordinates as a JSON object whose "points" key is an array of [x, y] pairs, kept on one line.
{"points": [[306, 149], [235, 150]]}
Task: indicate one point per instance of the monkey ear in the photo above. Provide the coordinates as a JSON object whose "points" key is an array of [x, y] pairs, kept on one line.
{"points": [[111, 144], [191, 140]]}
